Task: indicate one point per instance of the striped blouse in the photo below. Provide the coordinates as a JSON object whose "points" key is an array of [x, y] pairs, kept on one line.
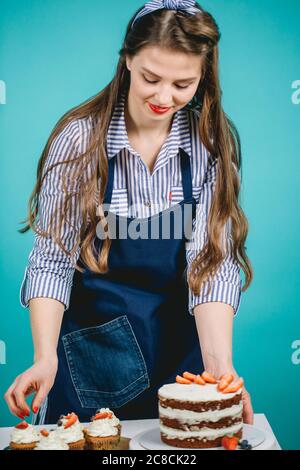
{"points": [[136, 193]]}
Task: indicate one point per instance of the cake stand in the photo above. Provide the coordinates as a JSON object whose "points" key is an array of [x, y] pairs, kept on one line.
{"points": [[150, 440]]}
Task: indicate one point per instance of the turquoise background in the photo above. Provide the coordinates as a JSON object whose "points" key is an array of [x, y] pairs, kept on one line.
{"points": [[54, 55]]}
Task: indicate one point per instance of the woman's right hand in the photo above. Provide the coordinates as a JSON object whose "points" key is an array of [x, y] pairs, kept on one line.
{"points": [[38, 379]]}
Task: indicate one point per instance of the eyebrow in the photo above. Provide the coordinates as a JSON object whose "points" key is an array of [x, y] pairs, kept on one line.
{"points": [[157, 76]]}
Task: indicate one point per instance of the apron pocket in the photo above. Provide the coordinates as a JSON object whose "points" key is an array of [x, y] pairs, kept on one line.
{"points": [[106, 364]]}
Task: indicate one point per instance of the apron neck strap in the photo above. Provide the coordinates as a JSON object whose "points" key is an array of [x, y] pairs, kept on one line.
{"points": [[185, 172], [110, 180]]}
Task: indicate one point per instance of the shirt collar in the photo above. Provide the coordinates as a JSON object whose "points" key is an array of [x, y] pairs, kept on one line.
{"points": [[117, 137]]}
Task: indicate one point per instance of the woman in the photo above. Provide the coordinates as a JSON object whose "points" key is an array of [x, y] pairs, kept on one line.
{"points": [[155, 145]]}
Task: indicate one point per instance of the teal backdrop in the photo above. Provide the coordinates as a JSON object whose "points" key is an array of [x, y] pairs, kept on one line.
{"points": [[54, 55]]}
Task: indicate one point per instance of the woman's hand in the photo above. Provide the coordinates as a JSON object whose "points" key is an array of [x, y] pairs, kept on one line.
{"points": [[38, 379], [248, 415]]}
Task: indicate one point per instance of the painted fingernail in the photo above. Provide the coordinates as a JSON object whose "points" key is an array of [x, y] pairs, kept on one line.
{"points": [[35, 409], [21, 416]]}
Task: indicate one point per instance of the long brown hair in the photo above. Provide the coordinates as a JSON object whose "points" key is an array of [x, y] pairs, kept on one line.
{"points": [[175, 31]]}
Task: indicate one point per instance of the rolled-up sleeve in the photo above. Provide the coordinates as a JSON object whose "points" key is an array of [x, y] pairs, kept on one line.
{"points": [[226, 283], [49, 271]]}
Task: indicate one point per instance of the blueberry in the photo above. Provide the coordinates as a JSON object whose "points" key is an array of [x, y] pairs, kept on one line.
{"points": [[59, 423], [244, 444], [246, 447]]}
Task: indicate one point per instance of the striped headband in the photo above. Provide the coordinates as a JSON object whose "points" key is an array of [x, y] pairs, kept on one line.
{"points": [[183, 5]]}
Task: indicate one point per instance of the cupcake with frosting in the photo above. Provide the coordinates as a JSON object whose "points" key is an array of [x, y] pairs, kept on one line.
{"points": [[70, 430], [50, 441], [24, 437], [104, 431]]}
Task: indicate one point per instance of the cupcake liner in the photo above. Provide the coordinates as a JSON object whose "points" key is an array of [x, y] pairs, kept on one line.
{"points": [[103, 443], [28, 446], [87, 443], [100, 443], [78, 445]]}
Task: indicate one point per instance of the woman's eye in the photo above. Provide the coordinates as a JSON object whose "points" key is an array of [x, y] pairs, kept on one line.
{"points": [[149, 81], [153, 83]]}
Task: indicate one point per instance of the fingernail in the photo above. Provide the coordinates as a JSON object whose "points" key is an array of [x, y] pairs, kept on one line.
{"points": [[21, 416], [27, 413], [35, 409]]}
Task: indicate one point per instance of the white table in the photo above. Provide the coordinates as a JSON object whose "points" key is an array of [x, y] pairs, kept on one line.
{"points": [[134, 427]]}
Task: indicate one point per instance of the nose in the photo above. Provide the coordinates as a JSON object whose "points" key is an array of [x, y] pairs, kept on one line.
{"points": [[163, 97]]}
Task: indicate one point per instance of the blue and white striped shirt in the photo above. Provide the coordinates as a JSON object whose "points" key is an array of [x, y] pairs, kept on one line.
{"points": [[136, 193]]}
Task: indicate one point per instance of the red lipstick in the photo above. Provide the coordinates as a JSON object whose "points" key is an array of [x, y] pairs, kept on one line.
{"points": [[158, 109]]}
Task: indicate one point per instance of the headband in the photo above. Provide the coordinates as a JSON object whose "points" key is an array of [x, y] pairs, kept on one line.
{"points": [[183, 5]]}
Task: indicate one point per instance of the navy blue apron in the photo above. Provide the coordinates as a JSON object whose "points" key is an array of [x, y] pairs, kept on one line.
{"points": [[127, 332]]}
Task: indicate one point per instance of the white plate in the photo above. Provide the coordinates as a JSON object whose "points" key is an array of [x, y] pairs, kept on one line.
{"points": [[150, 440]]}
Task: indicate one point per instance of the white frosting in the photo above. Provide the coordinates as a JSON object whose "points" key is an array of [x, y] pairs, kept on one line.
{"points": [[104, 427], [113, 420], [25, 436], [193, 417], [51, 442], [194, 393], [98, 429], [207, 433], [72, 434]]}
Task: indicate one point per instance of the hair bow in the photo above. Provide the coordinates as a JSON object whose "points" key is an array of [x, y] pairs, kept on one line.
{"points": [[183, 5]]}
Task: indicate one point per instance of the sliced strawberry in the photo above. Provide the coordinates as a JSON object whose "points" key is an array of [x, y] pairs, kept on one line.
{"points": [[209, 378], [198, 380], [182, 380], [189, 376], [22, 425], [234, 387], [103, 415], [226, 379], [72, 418]]}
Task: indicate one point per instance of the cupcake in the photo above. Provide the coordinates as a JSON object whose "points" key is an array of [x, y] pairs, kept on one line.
{"points": [[104, 431], [50, 441], [70, 430], [24, 437]]}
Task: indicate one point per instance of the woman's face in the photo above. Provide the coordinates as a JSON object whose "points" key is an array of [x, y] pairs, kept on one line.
{"points": [[163, 78]]}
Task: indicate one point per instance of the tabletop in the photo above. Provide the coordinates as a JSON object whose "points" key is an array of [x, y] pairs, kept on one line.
{"points": [[133, 427]]}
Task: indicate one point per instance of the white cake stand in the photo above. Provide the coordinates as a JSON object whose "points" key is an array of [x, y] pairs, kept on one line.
{"points": [[150, 440]]}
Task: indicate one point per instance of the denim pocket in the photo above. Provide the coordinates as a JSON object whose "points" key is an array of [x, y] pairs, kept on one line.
{"points": [[106, 364]]}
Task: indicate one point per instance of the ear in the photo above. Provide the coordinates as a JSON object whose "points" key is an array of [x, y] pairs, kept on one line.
{"points": [[128, 63]]}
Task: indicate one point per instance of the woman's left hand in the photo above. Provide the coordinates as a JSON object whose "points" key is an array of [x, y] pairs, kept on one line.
{"points": [[248, 415]]}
